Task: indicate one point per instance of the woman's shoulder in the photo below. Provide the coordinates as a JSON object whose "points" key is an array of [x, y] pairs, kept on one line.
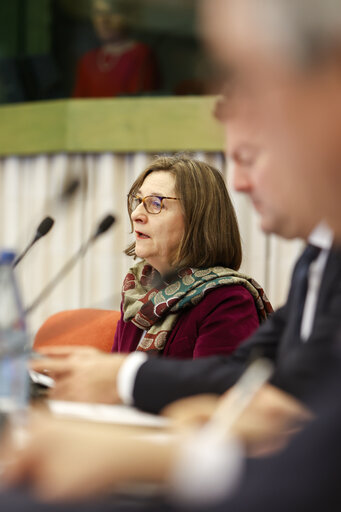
{"points": [[223, 302], [227, 292], [224, 298]]}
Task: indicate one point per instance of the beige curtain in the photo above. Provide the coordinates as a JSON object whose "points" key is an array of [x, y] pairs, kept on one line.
{"points": [[29, 187]]}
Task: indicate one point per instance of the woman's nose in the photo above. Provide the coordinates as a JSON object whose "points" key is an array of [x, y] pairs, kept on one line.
{"points": [[139, 214]]}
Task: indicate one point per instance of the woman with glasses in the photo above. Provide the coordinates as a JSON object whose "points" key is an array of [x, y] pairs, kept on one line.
{"points": [[185, 297]]}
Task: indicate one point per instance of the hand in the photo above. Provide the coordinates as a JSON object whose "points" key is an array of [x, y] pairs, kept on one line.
{"points": [[270, 420], [81, 374], [265, 426], [191, 412], [65, 460]]}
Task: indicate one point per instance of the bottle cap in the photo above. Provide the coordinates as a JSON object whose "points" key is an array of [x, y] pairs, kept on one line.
{"points": [[6, 256]]}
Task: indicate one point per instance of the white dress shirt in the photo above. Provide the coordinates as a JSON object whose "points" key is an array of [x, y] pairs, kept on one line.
{"points": [[321, 237]]}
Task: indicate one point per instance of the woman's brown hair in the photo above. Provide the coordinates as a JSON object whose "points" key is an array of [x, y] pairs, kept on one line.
{"points": [[211, 230]]}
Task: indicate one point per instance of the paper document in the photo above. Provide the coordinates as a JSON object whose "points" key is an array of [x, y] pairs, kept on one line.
{"points": [[40, 378], [118, 414]]}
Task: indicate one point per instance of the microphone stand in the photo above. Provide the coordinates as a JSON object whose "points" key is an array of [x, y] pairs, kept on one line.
{"points": [[64, 270], [106, 223]]}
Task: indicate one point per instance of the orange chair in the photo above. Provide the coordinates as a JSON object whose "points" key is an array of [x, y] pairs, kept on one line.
{"points": [[91, 327]]}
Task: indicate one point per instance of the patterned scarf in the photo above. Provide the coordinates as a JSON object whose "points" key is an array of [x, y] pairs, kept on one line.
{"points": [[154, 306]]}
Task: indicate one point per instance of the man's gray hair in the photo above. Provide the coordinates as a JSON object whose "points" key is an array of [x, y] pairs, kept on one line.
{"points": [[308, 30]]}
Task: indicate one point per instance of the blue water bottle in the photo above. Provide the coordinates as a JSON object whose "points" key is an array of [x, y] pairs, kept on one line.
{"points": [[13, 345]]}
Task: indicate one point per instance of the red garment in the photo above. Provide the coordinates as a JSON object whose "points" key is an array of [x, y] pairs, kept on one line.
{"points": [[100, 75], [217, 325]]}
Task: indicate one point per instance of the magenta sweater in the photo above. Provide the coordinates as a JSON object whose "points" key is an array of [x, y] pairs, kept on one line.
{"points": [[217, 325]]}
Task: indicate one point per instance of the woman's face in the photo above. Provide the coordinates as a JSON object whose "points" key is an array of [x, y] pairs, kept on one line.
{"points": [[158, 235], [109, 25]]}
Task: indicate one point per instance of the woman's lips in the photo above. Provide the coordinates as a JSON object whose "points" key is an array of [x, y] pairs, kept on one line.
{"points": [[141, 236]]}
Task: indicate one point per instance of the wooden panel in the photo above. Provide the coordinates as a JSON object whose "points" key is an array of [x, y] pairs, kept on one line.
{"points": [[33, 128], [119, 125]]}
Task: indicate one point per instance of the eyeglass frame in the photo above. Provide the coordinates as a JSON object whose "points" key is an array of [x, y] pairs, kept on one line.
{"points": [[142, 200]]}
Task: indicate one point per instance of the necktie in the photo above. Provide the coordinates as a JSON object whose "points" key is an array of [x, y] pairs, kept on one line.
{"points": [[301, 282]]}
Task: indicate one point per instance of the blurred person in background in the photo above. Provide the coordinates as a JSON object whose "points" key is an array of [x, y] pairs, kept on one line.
{"points": [[120, 66]]}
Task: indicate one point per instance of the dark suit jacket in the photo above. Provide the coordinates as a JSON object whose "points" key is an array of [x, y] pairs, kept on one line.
{"points": [[298, 363]]}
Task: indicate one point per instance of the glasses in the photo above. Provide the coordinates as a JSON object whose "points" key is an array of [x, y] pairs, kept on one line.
{"points": [[152, 204]]}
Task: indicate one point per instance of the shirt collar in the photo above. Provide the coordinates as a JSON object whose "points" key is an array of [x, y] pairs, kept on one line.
{"points": [[321, 236]]}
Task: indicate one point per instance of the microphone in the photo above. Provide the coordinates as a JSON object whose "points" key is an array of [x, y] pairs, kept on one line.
{"points": [[42, 230], [69, 190], [60, 201], [103, 226]]}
